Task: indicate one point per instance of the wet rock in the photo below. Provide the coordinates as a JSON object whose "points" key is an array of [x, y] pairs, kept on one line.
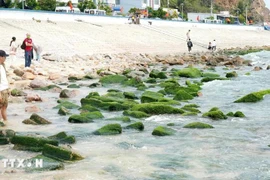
{"points": [[136, 114], [257, 68], [63, 111], [60, 153], [163, 131], [54, 76], [17, 92], [198, 125], [157, 74], [268, 67], [32, 97], [137, 125], [151, 108], [150, 96], [239, 114], [65, 93], [38, 83], [63, 138], [109, 129], [189, 72], [253, 97], [182, 95], [28, 75], [215, 114], [85, 117], [112, 79], [8, 133], [122, 118], [18, 72], [66, 104], [231, 74], [35, 119], [130, 95]]}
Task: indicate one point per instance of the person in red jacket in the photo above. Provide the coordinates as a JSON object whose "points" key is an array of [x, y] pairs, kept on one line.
{"points": [[28, 50]]}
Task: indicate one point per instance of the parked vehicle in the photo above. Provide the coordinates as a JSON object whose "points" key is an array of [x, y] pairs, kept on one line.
{"points": [[67, 9], [95, 12]]}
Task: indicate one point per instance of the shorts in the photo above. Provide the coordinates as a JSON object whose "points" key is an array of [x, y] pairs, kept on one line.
{"points": [[4, 95]]}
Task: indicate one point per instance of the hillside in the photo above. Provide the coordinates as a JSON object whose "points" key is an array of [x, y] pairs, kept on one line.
{"points": [[256, 9]]}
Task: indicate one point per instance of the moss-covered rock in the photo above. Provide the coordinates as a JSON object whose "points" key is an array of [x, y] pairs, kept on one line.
{"points": [[189, 72], [92, 94], [114, 90], [190, 114], [239, 114], [230, 114], [134, 82], [151, 80], [231, 74], [75, 78], [122, 118], [207, 79], [157, 74], [215, 115], [63, 111], [191, 109], [35, 119], [73, 86], [182, 95], [17, 92], [88, 108], [4, 140], [7, 133], [159, 108], [62, 137], [150, 96], [136, 114], [212, 75], [129, 95], [163, 131], [198, 125], [49, 87], [48, 164], [2, 124], [137, 125], [31, 143], [191, 105], [113, 79], [60, 153], [170, 124], [109, 129], [66, 104], [86, 117], [253, 97]]}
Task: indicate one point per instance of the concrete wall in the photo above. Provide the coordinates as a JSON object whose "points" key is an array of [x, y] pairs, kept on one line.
{"points": [[43, 15]]}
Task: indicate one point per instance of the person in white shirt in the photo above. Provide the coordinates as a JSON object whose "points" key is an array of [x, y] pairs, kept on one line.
{"points": [[4, 86], [214, 45], [13, 49]]}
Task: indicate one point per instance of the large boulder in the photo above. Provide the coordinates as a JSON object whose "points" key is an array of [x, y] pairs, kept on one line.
{"points": [[31, 143], [198, 125], [62, 137], [163, 131], [38, 83], [156, 108], [253, 97], [189, 72], [109, 129], [60, 153], [182, 95]]}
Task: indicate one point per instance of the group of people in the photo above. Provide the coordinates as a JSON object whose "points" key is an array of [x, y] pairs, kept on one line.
{"points": [[211, 46], [29, 47]]}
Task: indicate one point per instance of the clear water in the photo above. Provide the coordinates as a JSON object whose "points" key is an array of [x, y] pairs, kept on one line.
{"points": [[237, 148]]}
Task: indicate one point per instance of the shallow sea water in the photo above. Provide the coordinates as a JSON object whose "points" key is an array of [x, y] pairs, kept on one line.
{"points": [[237, 148]]}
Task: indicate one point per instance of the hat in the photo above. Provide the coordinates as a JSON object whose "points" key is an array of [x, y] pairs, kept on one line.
{"points": [[3, 53]]}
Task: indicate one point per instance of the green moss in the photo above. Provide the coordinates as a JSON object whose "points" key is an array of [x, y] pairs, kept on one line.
{"points": [[170, 124], [136, 114], [151, 80], [198, 125], [191, 109], [189, 72], [130, 95], [114, 90], [137, 125], [150, 96], [92, 94], [191, 105], [88, 108], [163, 131], [190, 114], [17, 92], [75, 118], [60, 153], [109, 129], [248, 74], [53, 86], [113, 79], [230, 114], [134, 82], [38, 119], [214, 109], [231, 74], [122, 118], [253, 97], [157, 74], [7, 133], [31, 143], [63, 111], [215, 115], [212, 75], [207, 79], [182, 95], [4, 140], [66, 104], [151, 108], [62, 137], [74, 78], [239, 114], [73, 86]]}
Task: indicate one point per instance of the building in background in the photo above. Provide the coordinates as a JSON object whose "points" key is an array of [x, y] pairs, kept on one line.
{"points": [[126, 5]]}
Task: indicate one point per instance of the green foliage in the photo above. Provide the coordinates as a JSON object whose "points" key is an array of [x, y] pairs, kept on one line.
{"points": [[133, 10], [156, 13], [105, 7], [241, 18], [86, 4], [47, 5]]}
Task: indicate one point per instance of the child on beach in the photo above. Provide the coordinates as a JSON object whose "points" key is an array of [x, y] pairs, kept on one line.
{"points": [[189, 45], [209, 46], [214, 45]]}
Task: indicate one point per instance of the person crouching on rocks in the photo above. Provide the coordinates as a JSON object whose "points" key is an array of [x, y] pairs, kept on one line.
{"points": [[189, 45]]}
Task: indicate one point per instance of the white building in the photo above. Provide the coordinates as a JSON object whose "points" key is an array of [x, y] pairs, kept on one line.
{"points": [[140, 4]]}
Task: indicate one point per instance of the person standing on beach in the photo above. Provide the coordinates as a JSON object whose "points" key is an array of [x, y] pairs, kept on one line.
{"points": [[38, 51], [188, 35], [13, 49], [4, 86], [189, 45], [209, 46], [28, 50], [214, 45]]}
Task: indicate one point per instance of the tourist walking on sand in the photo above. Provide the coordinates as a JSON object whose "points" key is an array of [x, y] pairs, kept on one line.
{"points": [[28, 50], [13, 50], [38, 51], [188, 35], [214, 45], [4, 86], [189, 45]]}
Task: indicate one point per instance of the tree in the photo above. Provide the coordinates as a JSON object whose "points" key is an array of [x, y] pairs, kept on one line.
{"points": [[86, 4], [105, 7], [133, 10], [47, 5]]}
